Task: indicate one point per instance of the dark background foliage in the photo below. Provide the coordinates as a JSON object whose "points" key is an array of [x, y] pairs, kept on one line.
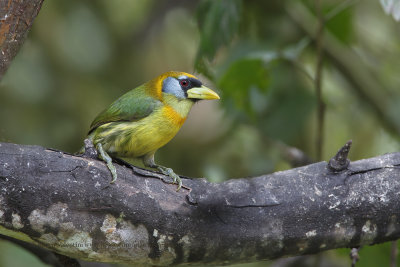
{"points": [[259, 55]]}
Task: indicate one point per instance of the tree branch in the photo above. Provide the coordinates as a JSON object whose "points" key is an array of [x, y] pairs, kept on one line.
{"points": [[16, 18], [65, 203]]}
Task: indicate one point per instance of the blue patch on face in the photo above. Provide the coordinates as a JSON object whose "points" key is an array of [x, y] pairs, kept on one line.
{"points": [[172, 86]]}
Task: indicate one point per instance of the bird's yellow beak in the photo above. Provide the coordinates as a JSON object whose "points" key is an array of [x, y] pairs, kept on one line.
{"points": [[202, 93]]}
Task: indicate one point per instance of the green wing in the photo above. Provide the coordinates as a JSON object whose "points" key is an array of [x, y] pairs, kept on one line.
{"points": [[134, 105]]}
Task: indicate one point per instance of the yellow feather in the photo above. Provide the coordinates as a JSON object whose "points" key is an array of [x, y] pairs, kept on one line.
{"points": [[173, 116], [138, 138], [145, 119]]}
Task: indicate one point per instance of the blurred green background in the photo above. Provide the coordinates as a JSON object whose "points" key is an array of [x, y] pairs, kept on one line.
{"points": [[259, 55]]}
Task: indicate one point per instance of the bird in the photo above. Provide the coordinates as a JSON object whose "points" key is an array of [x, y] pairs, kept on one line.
{"points": [[146, 118]]}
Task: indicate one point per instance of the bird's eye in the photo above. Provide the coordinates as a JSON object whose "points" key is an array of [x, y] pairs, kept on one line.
{"points": [[184, 83]]}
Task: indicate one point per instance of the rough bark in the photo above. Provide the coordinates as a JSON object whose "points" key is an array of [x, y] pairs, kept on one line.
{"points": [[65, 203], [16, 18]]}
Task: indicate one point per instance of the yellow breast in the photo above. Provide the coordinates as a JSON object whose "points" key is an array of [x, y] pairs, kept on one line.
{"points": [[137, 138], [170, 114]]}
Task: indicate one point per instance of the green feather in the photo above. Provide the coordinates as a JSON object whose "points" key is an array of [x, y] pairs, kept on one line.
{"points": [[132, 106]]}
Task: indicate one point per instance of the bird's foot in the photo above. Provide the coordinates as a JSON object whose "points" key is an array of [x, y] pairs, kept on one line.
{"points": [[105, 157], [175, 178]]}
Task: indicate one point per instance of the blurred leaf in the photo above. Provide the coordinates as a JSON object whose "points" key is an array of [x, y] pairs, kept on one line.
{"points": [[341, 25], [289, 108], [288, 115], [265, 56], [218, 23], [244, 82], [292, 52], [391, 7], [338, 17]]}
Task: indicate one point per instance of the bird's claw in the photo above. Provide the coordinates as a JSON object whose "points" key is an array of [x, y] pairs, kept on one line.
{"points": [[114, 175], [175, 178]]}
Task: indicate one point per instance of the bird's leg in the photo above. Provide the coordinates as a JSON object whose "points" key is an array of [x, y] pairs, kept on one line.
{"points": [[105, 157], [148, 161]]}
